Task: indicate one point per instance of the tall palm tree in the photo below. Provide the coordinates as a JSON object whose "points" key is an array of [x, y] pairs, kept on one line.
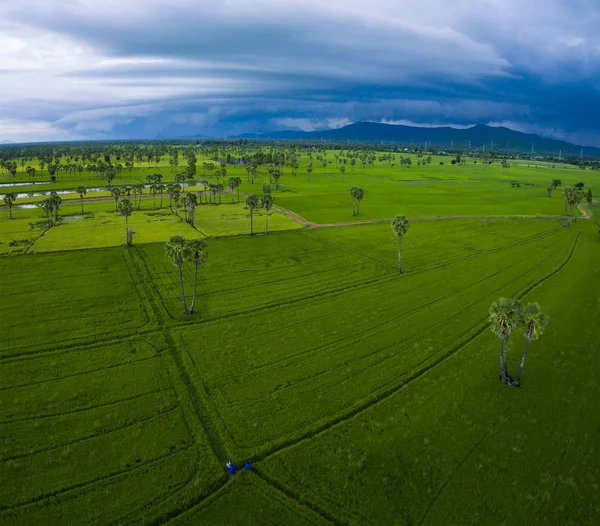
{"points": [[81, 190], [178, 251], [126, 209], [138, 190], [153, 192], [534, 321], [160, 188], [232, 183], [56, 201], [251, 203], [198, 256], [116, 193], [191, 200], [400, 226], [357, 194], [46, 206], [9, 199], [267, 202], [505, 318]]}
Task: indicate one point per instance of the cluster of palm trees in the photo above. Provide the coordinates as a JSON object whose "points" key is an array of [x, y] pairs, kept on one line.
{"points": [[506, 316], [253, 202], [136, 190], [9, 198], [49, 206], [572, 196], [180, 250]]}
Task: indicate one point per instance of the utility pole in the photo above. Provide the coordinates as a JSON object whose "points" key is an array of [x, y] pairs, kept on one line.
{"points": [[560, 155]]}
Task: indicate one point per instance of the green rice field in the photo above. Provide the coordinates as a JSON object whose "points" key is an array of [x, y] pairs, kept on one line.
{"points": [[360, 395]]}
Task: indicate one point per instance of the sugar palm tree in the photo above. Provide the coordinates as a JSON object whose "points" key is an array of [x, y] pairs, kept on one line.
{"points": [[153, 192], [81, 190], [138, 190], [534, 322], [267, 202], [238, 182], [251, 203], [400, 226], [160, 188], [116, 193], [505, 318], [178, 251], [232, 183], [191, 200], [56, 201], [198, 255], [9, 199], [126, 209], [46, 206], [357, 194]]}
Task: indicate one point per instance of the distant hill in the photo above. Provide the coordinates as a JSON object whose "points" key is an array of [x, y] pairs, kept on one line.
{"points": [[475, 137], [7, 142]]}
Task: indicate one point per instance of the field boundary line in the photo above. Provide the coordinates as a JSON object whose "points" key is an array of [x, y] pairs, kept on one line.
{"points": [[92, 371], [89, 437], [40, 417], [349, 250], [296, 498], [217, 445], [311, 225], [461, 463], [86, 341], [98, 480], [204, 495], [325, 426], [258, 309]]}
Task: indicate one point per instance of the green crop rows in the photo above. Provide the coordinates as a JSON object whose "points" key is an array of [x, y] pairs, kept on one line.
{"points": [[361, 396]]}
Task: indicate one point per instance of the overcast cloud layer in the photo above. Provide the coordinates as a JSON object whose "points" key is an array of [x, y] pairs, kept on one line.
{"points": [[91, 69]]}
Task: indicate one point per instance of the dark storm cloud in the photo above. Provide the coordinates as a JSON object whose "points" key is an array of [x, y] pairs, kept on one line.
{"points": [[142, 68]]}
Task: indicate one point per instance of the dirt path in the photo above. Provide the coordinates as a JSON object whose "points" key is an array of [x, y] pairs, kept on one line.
{"points": [[309, 224], [585, 211]]}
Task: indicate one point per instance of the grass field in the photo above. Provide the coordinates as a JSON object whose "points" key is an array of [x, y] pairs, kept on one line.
{"points": [[361, 396]]}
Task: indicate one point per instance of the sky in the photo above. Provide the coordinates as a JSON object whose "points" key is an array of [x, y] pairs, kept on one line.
{"points": [[96, 69]]}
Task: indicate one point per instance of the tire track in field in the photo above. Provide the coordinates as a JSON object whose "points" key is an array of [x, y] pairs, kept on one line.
{"points": [[325, 515], [81, 409], [84, 341], [92, 371], [462, 462], [325, 426], [523, 241], [351, 251], [263, 306], [291, 301], [201, 497], [218, 447], [375, 328], [131, 423], [110, 476]]}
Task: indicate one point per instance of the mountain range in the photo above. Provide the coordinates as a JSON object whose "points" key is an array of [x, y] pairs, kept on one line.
{"points": [[478, 137]]}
